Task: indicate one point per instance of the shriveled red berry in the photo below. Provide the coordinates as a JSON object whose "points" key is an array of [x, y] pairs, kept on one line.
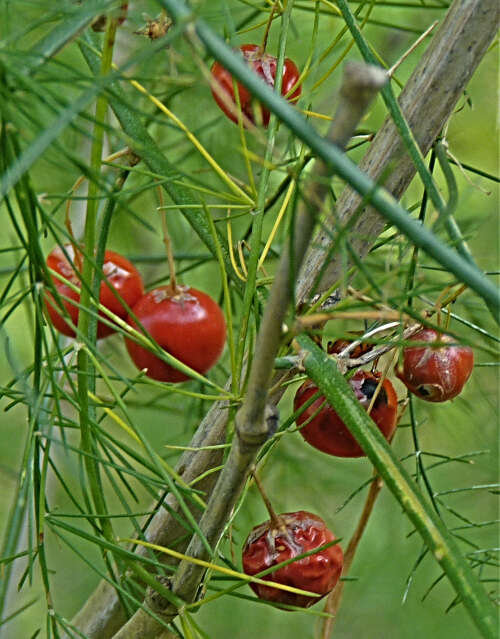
{"points": [[264, 65], [327, 432], [118, 272], [438, 371], [186, 323], [298, 532]]}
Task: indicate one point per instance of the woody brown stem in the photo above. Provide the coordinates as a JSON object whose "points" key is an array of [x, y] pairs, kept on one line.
{"points": [[427, 101], [333, 601], [168, 244]]}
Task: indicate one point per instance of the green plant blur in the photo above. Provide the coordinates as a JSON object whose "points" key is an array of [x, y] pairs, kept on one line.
{"points": [[391, 574]]}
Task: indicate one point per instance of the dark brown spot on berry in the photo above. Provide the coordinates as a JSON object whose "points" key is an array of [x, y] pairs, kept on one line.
{"points": [[369, 386]]}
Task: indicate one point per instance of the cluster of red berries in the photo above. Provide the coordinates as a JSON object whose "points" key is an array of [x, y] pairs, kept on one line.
{"points": [[189, 325], [185, 322], [435, 369]]}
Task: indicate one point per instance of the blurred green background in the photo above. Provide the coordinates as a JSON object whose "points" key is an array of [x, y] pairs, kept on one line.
{"points": [[385, 599]]}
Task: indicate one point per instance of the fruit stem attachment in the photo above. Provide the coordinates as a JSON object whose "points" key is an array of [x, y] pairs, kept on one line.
{"points": [[168, 243], [268, 28], [276, 521], [334, 599]]}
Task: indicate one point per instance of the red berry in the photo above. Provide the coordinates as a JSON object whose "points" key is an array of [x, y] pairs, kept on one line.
{"points": [[264, 65], [435, 373], [188, 324], [327, 432], [118, 272], [299, 532]]}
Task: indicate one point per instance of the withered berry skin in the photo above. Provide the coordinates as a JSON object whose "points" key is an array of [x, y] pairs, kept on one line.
{"points": [[301, 531], [435, 374], [328, 433]]}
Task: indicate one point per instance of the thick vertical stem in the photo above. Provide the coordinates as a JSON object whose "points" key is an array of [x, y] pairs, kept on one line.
{"points": [[253, 426]]}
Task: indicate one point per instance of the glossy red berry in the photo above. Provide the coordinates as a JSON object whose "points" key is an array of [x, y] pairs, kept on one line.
{"points": [[118, 272], [435, 373], [264, 65], [328, 433], [298, 532], [187, 324]]}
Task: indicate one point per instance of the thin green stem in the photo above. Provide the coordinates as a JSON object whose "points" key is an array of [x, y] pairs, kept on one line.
{"points": [[394, 109], [49, 45], [227, 306], [398, 117], [31, 477], [87, 322], [146, 148], [414, 258], [446, 215]]}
